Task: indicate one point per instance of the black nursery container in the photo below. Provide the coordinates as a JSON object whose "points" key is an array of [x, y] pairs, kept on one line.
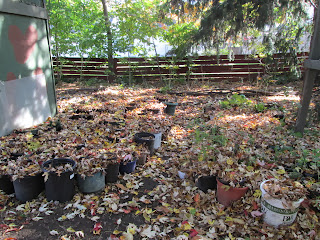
{"points": [[6, 185], [205, 183], [112, 173], [127, 167], [28, 187], [171, 108], [145, 138], [59, 187]]}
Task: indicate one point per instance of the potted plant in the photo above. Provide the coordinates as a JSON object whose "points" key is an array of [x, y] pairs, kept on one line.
{"points": [[59, 179], [127, 155], [26, 177], [90, 174], [141, 154], [233, 179], [280, 200], [6, 184], [112, 168], [146, 139]]}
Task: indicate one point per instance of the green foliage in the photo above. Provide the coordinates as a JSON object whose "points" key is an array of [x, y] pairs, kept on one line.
{"points": [[165, 89], [280, 24], [260, 107], [77, 28], [179, 35], [91, 82], [235, 100], [207, 138], [137, 25]]}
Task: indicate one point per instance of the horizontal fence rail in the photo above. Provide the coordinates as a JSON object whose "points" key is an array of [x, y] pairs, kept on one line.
{"points": [[240, 68]]}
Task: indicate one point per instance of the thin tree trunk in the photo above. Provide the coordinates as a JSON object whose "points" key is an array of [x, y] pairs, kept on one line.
{"points": [[109, 36]]}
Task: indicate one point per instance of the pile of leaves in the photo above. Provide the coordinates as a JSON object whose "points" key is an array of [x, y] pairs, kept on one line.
{"points": [[202, 138], [286, 189]]}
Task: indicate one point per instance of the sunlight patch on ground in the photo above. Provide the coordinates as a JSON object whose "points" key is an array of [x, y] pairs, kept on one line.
{"points": [[111, 91], [283, 98], [178, 132], [247, 121], [73, 100]]}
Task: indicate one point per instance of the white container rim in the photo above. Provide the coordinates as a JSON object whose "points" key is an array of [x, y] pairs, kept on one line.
{"points": [[264, 192]]}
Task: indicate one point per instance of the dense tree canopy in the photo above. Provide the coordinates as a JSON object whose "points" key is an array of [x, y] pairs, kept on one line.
{"points": [[220, 21], [78, 26]]}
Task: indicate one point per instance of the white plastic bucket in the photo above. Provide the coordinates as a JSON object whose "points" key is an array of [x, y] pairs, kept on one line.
{"points": [[275, 213], [157, 140]]}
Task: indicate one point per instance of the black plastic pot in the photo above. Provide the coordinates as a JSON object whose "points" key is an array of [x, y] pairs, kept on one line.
{"points": [[59, 187], [127, 167], [311, 175], [313, 194], [147, 139], [6, 185], [171, 108], [112, 173], [205, 183], [28, 188]]}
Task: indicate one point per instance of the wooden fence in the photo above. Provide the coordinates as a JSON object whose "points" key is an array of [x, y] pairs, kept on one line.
{"points": [[242, 67]]}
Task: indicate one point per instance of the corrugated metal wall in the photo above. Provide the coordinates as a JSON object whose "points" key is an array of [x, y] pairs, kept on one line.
{"points": [[27, 94]]}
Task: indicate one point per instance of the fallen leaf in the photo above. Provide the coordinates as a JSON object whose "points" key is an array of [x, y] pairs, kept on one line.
{"points": [[71, 230], [79, 234], [97, 228], [54, 233], [256, 214]]}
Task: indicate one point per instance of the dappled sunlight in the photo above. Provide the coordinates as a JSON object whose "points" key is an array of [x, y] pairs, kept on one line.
{"points": [[65, 103], [280, 98], [246, 120], [178, 132], [112, 91]]}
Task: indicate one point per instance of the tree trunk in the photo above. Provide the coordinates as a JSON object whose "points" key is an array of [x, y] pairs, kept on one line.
{"points": [[310, 75], [110, 38]]}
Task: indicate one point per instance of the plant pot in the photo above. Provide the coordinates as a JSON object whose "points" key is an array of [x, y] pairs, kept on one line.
{"points": [[275, 213], [59, 187], [147, 139], [112, 173], [28, 188], [6, 185], [127, 167], [205, 183], [157, 140], [91, 184], [311, 175], [295, 175], [226, 194], [142, 159], [171, 108]]}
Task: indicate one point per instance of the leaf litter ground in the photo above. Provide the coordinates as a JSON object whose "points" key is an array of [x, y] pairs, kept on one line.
{"points": [[154, 202]]}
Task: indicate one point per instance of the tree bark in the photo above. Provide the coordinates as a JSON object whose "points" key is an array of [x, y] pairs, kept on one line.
{"points": [[110, 38], [310, 75]]}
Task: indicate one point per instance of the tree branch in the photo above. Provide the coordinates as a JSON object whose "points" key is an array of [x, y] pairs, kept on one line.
{"points": [[313, 4]]}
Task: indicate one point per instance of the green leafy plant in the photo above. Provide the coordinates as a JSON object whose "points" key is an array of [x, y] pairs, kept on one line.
{"points": [[260, 107], [235, 100]]}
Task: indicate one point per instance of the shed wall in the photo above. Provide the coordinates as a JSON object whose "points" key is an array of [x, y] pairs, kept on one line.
{"points": [[27, 94]]}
